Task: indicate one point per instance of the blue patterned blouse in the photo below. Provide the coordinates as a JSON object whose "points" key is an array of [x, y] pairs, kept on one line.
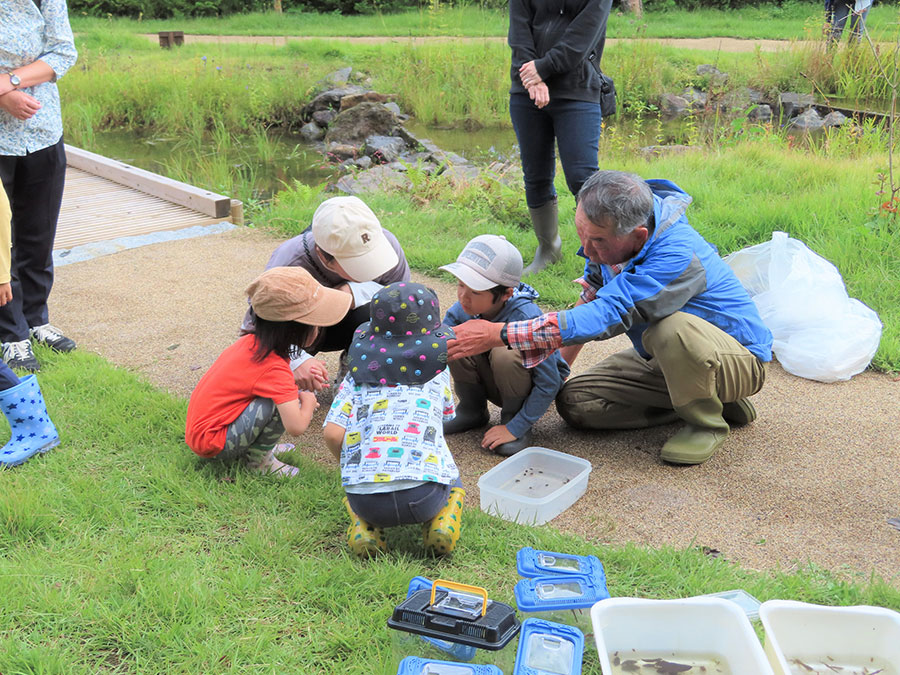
{"points": [[29, 34]]}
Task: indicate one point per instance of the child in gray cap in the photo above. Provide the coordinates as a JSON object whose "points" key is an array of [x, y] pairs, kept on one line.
{"points": [[488, 273]]}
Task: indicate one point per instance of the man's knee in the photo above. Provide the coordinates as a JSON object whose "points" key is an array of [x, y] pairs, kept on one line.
{"points": [[578, 404]]}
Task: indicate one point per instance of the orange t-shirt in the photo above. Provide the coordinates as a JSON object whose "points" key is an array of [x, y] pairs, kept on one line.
{"points": [[233, 381]]}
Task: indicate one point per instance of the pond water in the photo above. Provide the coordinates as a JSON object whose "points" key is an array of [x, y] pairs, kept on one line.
{"points": [[249, 169]]}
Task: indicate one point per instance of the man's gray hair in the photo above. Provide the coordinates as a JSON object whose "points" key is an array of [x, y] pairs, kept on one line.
{"points": [[623, 198]]}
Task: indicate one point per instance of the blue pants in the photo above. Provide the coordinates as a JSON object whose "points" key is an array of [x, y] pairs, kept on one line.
{"points": [[8, 378], [401, 507], [843, 11], [574, 126]]}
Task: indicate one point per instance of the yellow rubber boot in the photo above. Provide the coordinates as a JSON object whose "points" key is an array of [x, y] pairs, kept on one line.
{"points": [[442, 532], [365, 540]]}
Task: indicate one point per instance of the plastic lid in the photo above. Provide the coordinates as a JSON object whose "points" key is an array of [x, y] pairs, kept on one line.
{"points": [[547, 648], [742, 599], [450, 611], [413, 665], [571, 591], [535, 563]]}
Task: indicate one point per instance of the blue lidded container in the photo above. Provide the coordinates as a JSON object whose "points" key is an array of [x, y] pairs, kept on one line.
{"points": [[561, 598], [535, 563], [413, 665], [548, 648], [454, 649]]}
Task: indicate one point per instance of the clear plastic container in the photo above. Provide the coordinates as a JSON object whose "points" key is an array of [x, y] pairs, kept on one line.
{"points": [[742, 599], [413, 665], [806, 639], [547, 648], [534, 486], [708, 635]]}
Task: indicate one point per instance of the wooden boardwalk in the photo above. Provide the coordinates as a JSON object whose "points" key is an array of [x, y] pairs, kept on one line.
{"points": [[105, 199]]}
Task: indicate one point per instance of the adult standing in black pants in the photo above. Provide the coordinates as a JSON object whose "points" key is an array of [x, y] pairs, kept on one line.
{"points": [[555, 99], [36, 48]]}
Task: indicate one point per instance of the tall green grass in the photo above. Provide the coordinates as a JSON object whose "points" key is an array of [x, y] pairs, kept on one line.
{"points": [[778, 21], [122, 552]]}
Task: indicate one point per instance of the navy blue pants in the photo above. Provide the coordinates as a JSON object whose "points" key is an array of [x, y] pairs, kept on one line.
{"points": [[34, 184], [573, 126], [402, 507]]}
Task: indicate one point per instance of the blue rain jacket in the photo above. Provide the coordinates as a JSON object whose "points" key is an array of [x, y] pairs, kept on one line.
{"points": [[676, 270]]}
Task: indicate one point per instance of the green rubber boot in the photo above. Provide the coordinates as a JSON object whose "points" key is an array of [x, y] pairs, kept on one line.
{"points": [[739, 413], [442, 532], [704, 433], [545, 223]]}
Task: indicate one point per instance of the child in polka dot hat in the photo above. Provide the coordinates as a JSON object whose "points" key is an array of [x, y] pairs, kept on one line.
{"points": [[386, 424]]}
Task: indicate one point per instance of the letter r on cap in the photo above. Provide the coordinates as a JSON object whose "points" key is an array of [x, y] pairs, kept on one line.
{"points": [[365, 238]]}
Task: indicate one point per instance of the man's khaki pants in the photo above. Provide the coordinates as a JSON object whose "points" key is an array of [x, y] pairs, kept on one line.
{"points": [[498, 371], [694, 369]]}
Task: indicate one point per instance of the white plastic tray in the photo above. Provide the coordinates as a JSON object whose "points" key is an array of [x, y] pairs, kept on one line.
{"points": [[809, 639], [534, 485], [692, 631]]}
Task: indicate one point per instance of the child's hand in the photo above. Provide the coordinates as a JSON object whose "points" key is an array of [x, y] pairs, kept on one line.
{"points": [[5, 293], [495, 436], [307, 398], [311, 375]]}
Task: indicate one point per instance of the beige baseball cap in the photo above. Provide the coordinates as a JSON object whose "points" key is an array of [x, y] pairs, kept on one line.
{"points": [[291, 294], [487, 261], [347, 229]]}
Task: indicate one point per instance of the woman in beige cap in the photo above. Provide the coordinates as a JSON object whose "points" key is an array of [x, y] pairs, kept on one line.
{"points": [[248, 398]]}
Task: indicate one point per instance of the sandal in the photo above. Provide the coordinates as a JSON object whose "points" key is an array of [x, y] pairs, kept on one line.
{"points": [[268, 464]]}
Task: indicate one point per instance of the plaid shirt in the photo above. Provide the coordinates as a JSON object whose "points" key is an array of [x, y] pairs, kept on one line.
{"points": [[536, 339]]}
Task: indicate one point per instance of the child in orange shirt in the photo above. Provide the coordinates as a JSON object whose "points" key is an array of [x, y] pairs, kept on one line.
{"points": [[248, 398]]}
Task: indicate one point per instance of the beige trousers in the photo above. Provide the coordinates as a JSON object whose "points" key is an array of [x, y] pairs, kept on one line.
{"points": [[499, 372], [694, 369]]}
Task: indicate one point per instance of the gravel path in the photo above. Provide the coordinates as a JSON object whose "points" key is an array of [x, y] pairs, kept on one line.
{"points": [[723, 44], [814, 480]]}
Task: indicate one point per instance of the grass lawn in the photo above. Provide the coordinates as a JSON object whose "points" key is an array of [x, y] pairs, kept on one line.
{"points": [[767, 21], [121, 552]]}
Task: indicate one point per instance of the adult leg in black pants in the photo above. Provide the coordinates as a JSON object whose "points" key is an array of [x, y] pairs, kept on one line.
{"points": [[34, 184]]}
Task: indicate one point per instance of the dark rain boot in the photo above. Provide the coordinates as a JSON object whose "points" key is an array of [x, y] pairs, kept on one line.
{"points": [[545, 222], [30, 425], [471, 411], [704, 432], [509, 410]]}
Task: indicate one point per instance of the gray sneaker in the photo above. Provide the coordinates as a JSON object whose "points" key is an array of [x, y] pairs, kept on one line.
{"points": [[20, 355], [52, 337]]}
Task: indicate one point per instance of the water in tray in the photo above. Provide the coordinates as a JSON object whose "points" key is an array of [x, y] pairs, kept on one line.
{"points": [[830, 666], [535, 483], [669, 664]]}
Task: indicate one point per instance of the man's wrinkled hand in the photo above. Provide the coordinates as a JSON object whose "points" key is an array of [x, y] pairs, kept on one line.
{"points": [[311, 375], [475, 336]]}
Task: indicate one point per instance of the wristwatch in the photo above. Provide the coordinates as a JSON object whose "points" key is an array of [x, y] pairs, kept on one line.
{"points": [[503, 336], [14, 80]]}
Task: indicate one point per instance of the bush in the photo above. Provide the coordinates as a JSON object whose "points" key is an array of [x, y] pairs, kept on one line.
{"points": [[161, 9]]}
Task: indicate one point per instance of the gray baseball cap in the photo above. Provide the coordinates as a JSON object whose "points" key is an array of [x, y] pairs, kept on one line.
{"points": [[488, 260]]}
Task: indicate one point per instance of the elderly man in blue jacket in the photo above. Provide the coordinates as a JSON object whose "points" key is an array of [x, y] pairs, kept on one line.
{"points": [[699, 345]]}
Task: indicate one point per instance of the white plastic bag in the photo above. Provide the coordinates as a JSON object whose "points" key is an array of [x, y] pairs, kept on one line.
{"points": [[819, 332]]}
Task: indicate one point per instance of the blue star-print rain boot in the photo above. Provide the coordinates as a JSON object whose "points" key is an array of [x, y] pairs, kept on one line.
{"points": [[32, 430]]}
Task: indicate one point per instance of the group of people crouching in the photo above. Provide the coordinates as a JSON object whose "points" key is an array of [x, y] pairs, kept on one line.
{"points": [[699, 351]]}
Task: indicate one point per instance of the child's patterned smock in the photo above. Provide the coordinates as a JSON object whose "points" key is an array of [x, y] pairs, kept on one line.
{"points": [[394, 433]]}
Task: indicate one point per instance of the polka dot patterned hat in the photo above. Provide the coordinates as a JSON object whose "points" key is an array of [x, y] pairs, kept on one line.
{"points": [[404, 342]]}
